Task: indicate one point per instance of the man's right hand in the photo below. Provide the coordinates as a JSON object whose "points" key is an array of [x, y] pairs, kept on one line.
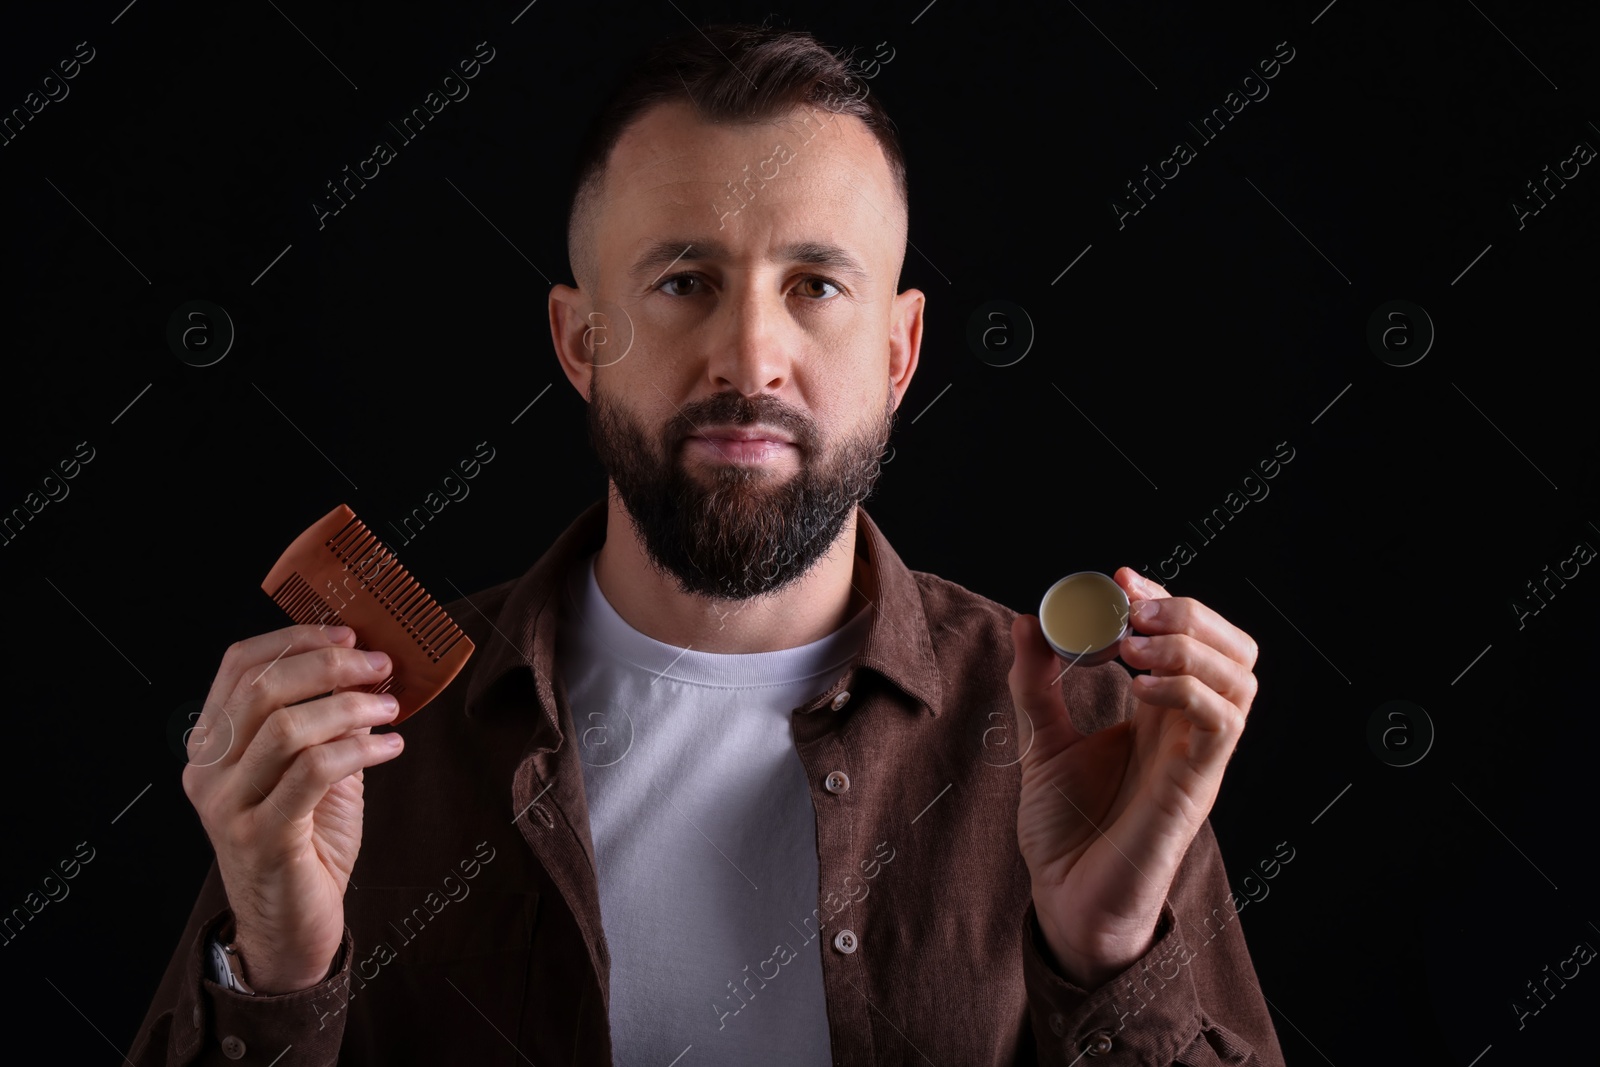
{"points": [[278, 785]]}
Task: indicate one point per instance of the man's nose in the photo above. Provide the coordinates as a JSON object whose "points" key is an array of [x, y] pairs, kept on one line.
{"points": [[751, 345]]}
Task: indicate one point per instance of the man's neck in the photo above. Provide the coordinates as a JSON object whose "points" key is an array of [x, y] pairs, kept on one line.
{"points": [[807, 609]]}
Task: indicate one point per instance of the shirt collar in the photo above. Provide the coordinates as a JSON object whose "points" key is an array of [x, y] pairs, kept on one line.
{"points": [[898, 646]]}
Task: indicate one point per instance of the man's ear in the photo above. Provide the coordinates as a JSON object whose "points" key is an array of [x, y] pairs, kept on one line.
{"points": [[569, 332], [905, 341]]}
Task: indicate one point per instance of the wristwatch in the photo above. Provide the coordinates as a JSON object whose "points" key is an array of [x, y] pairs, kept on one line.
{"points": [[226, 967]]}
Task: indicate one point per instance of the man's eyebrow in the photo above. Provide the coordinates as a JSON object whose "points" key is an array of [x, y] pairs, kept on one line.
{"points": [[659, 256]]}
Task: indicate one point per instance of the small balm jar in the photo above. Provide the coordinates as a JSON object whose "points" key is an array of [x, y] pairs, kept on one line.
{"points": [[1084, 617]]}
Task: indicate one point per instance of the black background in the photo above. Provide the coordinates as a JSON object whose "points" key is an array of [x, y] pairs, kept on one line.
{"points": [[1180, 349]]}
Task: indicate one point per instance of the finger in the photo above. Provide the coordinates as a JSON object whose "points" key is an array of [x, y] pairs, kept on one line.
{"points": [[1216, 722], [214, 727], [317, 768], [290, 731], [292, 679], [1174, 654], [1137, 586], [1185, 615], [1035, 677]]}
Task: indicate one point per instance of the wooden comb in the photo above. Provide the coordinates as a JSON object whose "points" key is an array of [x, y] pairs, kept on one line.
{"points": [[338, 573]]}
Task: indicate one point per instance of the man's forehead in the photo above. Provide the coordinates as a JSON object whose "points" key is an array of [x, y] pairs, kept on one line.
{"points": [[652, 257], [670, 169]]}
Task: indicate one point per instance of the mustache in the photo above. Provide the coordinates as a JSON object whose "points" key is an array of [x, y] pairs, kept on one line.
{"points": [[739, 410]]}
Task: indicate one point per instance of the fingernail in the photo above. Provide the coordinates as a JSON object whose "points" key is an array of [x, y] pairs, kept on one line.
{"points": [[338, 633], [1138, 641], [377, 660], [1146, 609], [390, 704]]}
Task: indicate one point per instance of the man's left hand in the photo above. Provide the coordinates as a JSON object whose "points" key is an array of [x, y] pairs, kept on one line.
{"points": [[1106, 818]]}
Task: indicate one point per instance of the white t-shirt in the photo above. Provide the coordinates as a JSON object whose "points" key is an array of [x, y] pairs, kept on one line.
{"points": [[705, 837]]}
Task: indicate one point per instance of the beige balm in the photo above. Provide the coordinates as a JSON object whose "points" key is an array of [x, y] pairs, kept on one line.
{"points": [[1084, 617]]}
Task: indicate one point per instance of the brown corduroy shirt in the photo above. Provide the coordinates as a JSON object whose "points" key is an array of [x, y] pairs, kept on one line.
{"points": [[473, 931]]}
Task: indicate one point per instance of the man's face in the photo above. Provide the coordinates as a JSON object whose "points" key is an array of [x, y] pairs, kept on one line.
{"points": [[752, 350]]}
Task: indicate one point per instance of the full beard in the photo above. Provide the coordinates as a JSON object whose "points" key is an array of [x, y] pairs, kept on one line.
{"points": [[729, 531]]}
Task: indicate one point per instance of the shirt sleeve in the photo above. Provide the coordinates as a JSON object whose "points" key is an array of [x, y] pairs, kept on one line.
{"points": [[1191, 1001], [193, 1020]]}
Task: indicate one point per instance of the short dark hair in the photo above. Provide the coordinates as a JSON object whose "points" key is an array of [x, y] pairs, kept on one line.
{"points": [[729, 72]]}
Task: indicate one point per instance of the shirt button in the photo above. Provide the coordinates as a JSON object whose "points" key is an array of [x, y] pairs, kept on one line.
{"points": [[841, 700], [1058, 1024], [837, 782], [232, 1047], [1098, 1043], [845, 941]]}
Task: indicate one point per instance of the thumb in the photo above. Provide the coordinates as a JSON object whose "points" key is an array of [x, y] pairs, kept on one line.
{"points": [[1035, 680]]}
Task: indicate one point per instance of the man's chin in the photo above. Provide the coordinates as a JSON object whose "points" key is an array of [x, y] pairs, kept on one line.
{"points": [[728, 475]]}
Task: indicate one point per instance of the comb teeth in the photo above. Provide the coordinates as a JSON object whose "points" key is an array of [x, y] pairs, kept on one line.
{"points": [[338, 573], [304, 605], [380, 574]]}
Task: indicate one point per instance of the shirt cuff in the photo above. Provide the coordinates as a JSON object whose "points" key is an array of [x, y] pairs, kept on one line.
{"points": [[1147, 1016], [302, 1029]]}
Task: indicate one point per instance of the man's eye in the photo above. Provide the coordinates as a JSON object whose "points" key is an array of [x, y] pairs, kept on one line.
{"points": [[676, 278], [684, 285], [818, 281]]}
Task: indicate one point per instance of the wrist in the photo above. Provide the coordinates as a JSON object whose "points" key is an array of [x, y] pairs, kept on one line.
{"points": [[1090, 968], [259, 973]]}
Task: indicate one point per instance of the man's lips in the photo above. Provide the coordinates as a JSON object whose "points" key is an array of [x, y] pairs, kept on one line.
{"points": [[742, 433], [741, 444]]}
